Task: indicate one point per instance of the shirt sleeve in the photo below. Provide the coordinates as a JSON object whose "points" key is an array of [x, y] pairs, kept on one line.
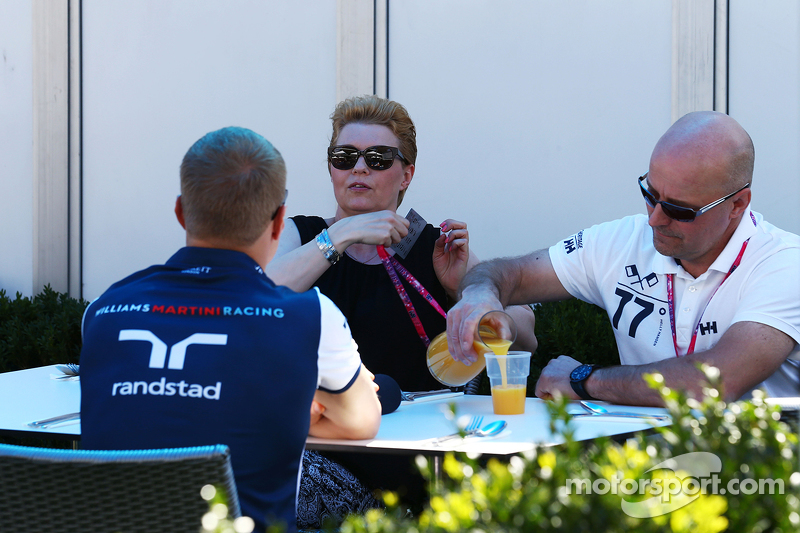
{"points": [[772, 293], [338, 361], [572, 260], [588, 262]]}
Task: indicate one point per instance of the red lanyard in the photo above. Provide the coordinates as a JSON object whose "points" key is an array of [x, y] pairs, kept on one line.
{"points": [[671, 302], [392, 267]]}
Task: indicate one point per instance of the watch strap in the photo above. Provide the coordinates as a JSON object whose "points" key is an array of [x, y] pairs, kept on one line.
{"points": [[327, 248], [580, 390]]}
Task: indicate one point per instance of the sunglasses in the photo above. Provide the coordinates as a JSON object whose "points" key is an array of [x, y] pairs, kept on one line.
{"points": [[376, 157], [676, 212]]}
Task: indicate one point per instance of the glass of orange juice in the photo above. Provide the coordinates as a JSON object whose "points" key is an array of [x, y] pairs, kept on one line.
{"points": [[496, 332], [508, 376]]}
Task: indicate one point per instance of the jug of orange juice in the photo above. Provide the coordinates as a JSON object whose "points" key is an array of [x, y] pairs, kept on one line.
{"points": [[496, 332]]}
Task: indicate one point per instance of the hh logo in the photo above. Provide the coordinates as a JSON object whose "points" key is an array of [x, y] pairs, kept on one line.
{"points": [[574, 242], [177, 353], [632, 272], [709, 327]]}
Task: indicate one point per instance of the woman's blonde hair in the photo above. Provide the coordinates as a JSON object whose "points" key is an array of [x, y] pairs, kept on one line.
{"points": [[371, 109]]}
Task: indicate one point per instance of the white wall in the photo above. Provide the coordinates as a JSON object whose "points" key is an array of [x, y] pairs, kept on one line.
{"points": [[159, 75], [765, 99], [16, 150], [533, 119]]}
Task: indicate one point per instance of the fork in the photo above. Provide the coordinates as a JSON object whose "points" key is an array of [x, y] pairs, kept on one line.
{"points": [[470, 429]]}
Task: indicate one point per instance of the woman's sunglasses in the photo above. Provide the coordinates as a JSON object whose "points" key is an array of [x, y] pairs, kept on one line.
{"points": [[376, 157], [676, 212]]}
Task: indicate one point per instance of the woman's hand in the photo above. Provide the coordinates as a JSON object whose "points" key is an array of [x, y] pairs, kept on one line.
{"points": [[451, 255], [379, 228]]}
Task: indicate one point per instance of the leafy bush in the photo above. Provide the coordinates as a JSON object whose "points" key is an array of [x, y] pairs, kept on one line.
{"points": [[42, 330], [575, 328], [530, 492]]}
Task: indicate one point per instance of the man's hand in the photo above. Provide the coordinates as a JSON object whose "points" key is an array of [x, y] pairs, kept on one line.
{"points": [[493, 285], [463, 320], [555, 378]]}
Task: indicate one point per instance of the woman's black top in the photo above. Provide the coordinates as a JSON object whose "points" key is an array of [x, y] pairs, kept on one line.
{"points": [[386, 337]]}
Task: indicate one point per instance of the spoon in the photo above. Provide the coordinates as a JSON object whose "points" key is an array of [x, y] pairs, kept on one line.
{"points": [[599, 410], [491, 429]]}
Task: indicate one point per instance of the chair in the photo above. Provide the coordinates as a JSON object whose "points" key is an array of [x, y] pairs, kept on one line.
{"points": [[474, 384], [129, 491]]}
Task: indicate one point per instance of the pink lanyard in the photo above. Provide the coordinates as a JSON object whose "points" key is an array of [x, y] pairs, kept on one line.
{"points": [[671, 302], [392, 267]]}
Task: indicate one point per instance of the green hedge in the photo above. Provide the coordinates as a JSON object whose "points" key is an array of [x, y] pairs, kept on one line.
{"points": [[38, 331], [575, 328]]}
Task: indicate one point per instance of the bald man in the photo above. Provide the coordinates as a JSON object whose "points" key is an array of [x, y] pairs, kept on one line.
{"points": [[701, 279]]}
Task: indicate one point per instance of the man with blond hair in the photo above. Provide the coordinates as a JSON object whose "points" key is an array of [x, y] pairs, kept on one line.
{"points": [[700, 279], [206, 349]]}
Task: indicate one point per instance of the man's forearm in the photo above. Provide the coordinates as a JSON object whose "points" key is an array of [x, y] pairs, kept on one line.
{"points": [[517, 280], [484, 276], [626, 385], [747, 354]]}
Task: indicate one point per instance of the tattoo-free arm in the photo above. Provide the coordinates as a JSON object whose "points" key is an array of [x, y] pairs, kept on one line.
{"points": [[497, 284], [747, 354]]}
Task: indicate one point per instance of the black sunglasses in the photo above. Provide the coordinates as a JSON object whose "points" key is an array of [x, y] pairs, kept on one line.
{"points": [[676, 212], [376, 157]]}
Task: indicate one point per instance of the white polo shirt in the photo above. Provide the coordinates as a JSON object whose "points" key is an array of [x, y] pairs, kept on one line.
{"points": [[615, 266]]}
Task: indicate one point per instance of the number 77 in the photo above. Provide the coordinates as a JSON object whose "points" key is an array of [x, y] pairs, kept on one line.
{"points": [[625, 297]]}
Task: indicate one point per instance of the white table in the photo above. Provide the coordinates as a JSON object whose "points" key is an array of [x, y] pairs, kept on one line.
{"points": [[33, 394], [28, 395], [413, 428]]}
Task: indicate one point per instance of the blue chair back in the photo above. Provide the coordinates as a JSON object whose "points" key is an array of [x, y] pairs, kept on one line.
{"points": [[103, 490]]}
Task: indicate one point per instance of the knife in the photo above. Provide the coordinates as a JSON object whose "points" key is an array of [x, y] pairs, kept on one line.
{"points": [[639, 416], [61, 418]]}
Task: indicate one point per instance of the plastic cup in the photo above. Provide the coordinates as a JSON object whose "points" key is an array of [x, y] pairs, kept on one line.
{"points": [[508, 376]]}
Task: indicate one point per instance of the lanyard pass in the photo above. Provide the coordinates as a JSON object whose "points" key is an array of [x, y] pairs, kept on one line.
{"points": [[393, 267], [671, 303]]}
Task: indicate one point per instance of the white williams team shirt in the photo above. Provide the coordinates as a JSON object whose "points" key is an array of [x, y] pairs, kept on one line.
{"points": [[339, 363], [615, 266]]}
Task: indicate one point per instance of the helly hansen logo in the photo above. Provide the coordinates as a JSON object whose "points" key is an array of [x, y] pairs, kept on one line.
{"points": [[574, 242], [708, 327], [177, 353]]}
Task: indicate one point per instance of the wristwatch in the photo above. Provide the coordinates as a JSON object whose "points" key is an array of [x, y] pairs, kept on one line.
{"points": [[577, 378]]}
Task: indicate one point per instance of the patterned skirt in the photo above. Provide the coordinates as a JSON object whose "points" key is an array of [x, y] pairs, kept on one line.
{"points": [[328, 493]]}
